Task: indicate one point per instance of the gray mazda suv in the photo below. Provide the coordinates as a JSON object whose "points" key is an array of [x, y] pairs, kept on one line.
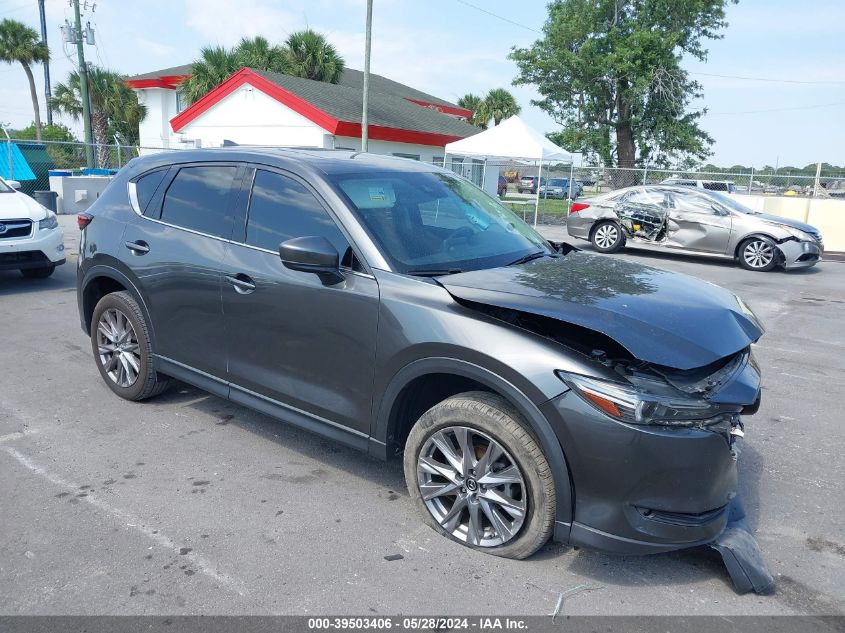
{"points": [[532, 390]]}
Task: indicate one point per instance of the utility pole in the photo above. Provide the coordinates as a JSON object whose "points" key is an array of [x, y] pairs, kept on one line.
{"points": [[367, 45], [47, 91], [83, 85]]}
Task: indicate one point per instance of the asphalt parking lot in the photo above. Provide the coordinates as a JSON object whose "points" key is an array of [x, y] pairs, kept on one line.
{"points": [[189, 504]]}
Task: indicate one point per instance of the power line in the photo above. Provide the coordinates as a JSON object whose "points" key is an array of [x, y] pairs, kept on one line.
{"points": [[809, 107], [497, 16], [768, 79]]}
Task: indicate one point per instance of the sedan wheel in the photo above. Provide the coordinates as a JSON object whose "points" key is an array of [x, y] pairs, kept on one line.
{"points": [[471, 486], [607, 237], [118, 348], [758, 254]]}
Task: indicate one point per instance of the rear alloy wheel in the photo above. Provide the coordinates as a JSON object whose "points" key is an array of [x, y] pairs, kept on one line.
{"points": [[607, 237], [478, 476], [121, 344], [759, 254]]}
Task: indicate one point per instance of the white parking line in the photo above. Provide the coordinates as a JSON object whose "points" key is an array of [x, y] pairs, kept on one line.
{"points": [[129, 520], [17, 435]]}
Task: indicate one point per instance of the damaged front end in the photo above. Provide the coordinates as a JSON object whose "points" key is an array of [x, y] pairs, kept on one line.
{"points": [[652, 448]]}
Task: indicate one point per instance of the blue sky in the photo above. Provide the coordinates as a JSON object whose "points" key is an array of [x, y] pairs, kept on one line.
{"points": [[448, 48]]}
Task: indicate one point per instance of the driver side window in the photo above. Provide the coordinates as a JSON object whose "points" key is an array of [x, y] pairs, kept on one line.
{"points": [[694, 204]]}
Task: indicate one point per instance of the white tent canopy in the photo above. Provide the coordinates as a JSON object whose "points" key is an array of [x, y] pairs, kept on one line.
{"points": [[511, 139]]}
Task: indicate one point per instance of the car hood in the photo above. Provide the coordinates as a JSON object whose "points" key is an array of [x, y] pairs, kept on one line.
{"points": [[16, 206], [776, 219], [658, 316]]}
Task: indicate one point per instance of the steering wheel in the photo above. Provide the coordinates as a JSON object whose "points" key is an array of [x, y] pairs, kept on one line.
{"points": [[464, 232]]}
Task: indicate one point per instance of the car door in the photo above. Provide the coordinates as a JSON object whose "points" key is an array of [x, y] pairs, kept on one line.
{"points": [[175, 248], [294, 340], [698, 223]]}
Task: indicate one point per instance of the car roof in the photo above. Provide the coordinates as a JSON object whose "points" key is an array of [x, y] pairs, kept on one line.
{"points": [[326, 161]]}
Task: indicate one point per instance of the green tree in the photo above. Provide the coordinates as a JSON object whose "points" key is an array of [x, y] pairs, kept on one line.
{"points": [[214, 66], [21, 44], [62, 151], [609, 72], [114, 108], [475, 104], [309, 55], [499, 105], [305, 54]]}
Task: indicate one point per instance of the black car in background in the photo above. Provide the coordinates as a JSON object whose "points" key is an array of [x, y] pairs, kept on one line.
{"points": [[533, 391]]}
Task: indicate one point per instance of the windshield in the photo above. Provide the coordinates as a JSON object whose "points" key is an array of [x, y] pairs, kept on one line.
{"points": [[558, 182], [431, 222], [729, 202], [4, 188]]}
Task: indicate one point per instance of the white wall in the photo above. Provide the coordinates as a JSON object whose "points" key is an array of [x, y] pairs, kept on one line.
{"points": [[426, 153], [161, 107], [250, 117]]}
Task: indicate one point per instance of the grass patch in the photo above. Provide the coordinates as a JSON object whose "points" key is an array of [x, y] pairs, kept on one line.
{"points": [[547, 206]]}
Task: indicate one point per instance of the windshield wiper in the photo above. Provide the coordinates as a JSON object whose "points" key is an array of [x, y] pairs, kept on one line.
{"points": [[527, 258], [434, 273]]}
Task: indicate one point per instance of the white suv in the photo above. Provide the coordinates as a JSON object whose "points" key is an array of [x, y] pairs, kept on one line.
{"points": [[31, 239]]}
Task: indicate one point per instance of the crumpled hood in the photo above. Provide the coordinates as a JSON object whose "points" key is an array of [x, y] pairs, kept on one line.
{"points": [[17, 206], [658, 316]]}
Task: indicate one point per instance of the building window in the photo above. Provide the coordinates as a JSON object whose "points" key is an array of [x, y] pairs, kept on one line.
{"points": [[411, 156], [180, 101], [438, 160]]}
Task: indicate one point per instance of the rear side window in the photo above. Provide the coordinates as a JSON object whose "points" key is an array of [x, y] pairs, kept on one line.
{"points": [[281, 208], [145, 187], [198, 199]]}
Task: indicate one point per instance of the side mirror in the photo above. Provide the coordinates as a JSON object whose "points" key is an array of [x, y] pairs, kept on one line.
{"points": [[14, 184], [312, 254]]}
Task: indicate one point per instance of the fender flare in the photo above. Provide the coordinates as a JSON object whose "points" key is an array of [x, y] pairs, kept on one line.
{"points": [[540, 426], [104, 270]]}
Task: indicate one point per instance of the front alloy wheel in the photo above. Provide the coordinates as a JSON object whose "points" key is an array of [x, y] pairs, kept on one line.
{"points": [[758, 254], [118, 348], [471, 486], [477, 475]]}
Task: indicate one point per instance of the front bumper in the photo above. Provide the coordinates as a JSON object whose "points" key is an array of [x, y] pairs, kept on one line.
{"points": [[645, 489], [800, 254], [39, 249]]}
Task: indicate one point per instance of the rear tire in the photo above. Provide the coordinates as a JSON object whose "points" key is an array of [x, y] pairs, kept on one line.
{"points": [[120, 341], [759, 254], [505, 508], [38, 273], [607, 237]]}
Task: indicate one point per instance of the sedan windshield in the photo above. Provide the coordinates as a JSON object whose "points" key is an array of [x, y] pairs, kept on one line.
{"points": [[435, 223]]}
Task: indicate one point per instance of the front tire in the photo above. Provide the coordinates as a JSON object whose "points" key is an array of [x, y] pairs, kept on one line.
{"points": [[758, 254], [607, 237], [38, 273], [120, 341], [478, 477]]}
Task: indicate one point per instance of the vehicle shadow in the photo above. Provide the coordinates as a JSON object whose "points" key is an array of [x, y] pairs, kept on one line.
{"points": [[310, 445], [13, 283]]}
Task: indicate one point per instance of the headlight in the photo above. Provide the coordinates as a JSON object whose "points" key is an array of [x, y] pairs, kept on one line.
{"points": [[626, 403], [798, 233], [50, 222]]}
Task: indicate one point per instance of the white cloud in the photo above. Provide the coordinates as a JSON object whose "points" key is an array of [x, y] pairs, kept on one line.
{"points": [[225, 22]]}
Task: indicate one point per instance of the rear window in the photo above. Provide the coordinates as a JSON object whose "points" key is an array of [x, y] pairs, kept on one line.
{"points": [[146, 186], [198, 199]]}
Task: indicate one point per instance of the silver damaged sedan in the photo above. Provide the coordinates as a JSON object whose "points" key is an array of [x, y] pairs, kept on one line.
{"points": [[694, 223]]}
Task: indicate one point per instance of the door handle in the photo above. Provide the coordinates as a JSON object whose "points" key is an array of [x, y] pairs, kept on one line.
{"points": [[242, 284], [138, 248]]}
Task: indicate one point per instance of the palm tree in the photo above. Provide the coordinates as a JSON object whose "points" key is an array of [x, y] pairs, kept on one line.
{"points": [[309, 55], [258, 54], [114, 107], [475, 104], [19, 43], [214, 66], [499, 105]]}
